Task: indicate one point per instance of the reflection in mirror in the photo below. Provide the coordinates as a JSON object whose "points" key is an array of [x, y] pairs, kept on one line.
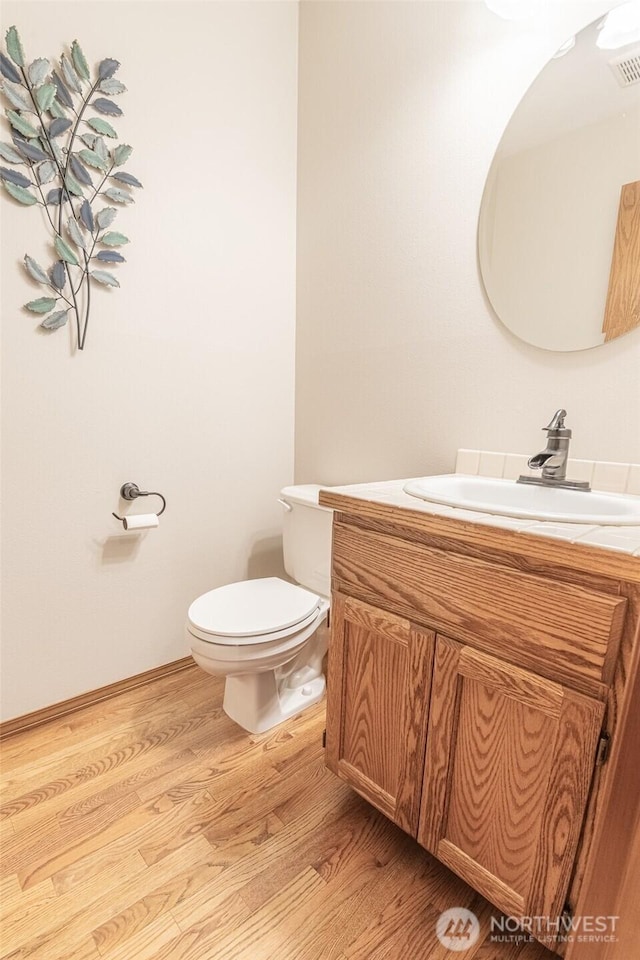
{"points": [[559, 231]]}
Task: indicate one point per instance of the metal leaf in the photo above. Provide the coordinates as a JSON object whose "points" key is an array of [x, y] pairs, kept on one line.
{"points": [[38, 71], [79, 60], [45, 95], [101, 149], [54, 197], [47, 171], [14, 47], [59, 154], [56, 110], [103, 277], [72, 185], [35, 270], [114, 239], [21, 125], [79, 171], [86, 215], [41, 305], [12, 176], [20, 194], [107, 107], [58, 274], [30, 151], [70, 75], [101, 126], [57, 319], [59, 126], [97, 144], [112, 87], [127, 178], [65, 251], [118, 196], [9, 154], [62, 93], [75, 233], [121, 154], [107, 68], [8, 70], [110, 256], [15, 95], [92, 159], [106, 216]]}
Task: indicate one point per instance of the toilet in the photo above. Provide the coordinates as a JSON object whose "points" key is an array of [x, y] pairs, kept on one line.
{"points": [[268, 637]]}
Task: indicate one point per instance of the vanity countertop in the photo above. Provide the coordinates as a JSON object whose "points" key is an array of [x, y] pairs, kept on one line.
{"points": [[617, 547]]}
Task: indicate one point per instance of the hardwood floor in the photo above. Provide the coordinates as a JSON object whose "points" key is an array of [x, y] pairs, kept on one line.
{"points": [[150, 827]]}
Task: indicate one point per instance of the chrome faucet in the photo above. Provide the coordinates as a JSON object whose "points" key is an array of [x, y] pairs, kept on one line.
{"points": [[553, 459]]}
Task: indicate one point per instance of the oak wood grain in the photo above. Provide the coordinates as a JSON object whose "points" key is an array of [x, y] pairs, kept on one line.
{"points": [[611, 835], [548, 626], [508, 768], [622, 309], [380, 666], [9, 728], [576, 557], [282, 859]]}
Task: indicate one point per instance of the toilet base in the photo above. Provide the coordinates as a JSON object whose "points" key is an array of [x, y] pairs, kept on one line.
{"points": [[257, 702]]}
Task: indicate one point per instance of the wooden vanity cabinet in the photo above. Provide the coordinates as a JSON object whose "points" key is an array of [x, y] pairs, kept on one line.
{"points": [[377, 705], [508, 766], [471, 694]]}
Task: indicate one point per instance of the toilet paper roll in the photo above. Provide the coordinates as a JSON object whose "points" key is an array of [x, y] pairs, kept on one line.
{"points": [[141, 521]]}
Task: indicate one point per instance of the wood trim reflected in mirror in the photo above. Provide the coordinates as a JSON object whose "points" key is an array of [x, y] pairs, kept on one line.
{"points": [[622, 312]]}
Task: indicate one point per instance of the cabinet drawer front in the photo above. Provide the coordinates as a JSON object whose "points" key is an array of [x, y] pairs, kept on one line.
{"points": [[563, 631]]}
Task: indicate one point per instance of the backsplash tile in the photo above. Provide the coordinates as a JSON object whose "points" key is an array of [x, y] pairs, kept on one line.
{"points": [[468, 461], [515, 465], [610, 477], [601, 474], [580, 470], [491, 464], [633, 480]]}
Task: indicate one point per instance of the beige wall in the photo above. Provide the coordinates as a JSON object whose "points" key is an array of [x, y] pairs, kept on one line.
{"points": [[186, 382], [400, 361]]}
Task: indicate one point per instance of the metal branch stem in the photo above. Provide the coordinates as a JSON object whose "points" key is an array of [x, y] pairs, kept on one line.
{"points": [[55, 159], [62, 174], [85, 104]]}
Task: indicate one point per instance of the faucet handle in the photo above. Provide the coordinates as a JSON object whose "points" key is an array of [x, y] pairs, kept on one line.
{"points": [[557, 421]]}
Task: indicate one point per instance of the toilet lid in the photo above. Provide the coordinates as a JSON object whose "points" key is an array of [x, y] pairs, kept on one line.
{"points": [[252, 607]]}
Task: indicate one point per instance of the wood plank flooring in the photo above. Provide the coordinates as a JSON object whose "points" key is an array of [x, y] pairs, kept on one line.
{"points": [[150, 827]]}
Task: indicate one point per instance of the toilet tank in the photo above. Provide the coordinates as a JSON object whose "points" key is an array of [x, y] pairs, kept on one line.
{"points": [[306, 538]]}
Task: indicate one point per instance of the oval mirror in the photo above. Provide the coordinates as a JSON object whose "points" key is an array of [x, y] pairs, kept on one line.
{"points": [[559, 228]]}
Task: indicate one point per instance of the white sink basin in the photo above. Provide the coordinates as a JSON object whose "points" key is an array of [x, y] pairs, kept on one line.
{"points": [[510, 499]]}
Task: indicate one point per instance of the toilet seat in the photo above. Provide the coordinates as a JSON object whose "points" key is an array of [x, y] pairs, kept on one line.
{"points": [[253, 612]]}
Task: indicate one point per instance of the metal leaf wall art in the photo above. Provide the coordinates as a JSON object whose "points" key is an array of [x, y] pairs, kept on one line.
{"points": [[72, 168]]}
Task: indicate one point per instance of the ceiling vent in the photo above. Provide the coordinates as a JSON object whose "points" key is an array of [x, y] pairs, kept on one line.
{"points": [[627, 68]]}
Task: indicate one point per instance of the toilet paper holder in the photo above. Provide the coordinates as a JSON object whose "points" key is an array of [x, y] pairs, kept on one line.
{"points": [[131, 491]]}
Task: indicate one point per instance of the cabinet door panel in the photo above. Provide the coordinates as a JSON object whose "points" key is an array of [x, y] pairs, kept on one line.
{"points": [[508, 766], [378, 696]]}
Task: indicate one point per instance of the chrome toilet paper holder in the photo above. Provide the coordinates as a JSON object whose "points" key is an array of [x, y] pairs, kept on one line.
{"points": [[131, 491]]}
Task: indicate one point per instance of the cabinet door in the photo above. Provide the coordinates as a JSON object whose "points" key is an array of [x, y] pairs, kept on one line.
{"points": [[377, 703], [508, 767]]}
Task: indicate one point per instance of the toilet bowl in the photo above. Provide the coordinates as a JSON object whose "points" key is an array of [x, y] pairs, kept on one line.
{"points": [[268, 637]]}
